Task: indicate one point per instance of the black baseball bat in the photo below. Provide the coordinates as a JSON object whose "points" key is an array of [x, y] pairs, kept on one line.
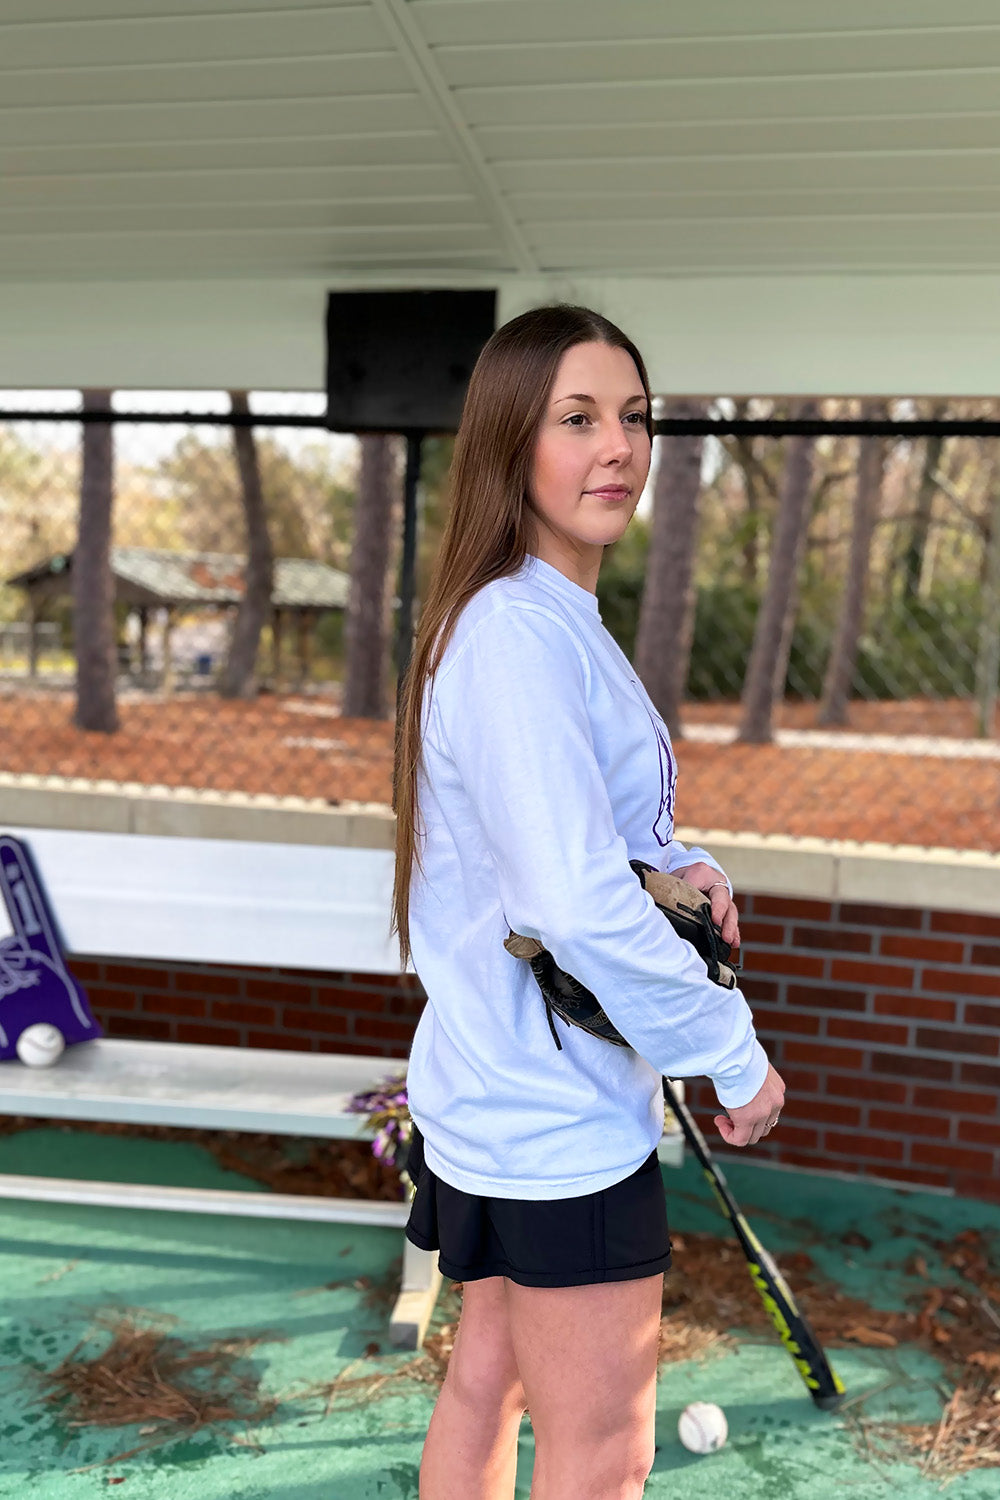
{"points": [[821, 1380]]}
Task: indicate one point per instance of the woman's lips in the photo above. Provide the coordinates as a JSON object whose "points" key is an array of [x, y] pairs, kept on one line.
{"points": [[612, 492]]}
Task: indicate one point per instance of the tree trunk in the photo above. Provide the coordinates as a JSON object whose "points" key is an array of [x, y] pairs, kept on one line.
{"points": [[844, 653], [365, 637], [238, 677], [916, 547], [666, 615], [988, 652], [93, 580], [772, 638]]}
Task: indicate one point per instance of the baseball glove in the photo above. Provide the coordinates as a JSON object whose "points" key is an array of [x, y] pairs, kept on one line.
{"points": [[689, 912]]}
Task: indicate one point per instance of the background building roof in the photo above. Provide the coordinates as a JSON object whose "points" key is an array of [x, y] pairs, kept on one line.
{"points": [[193, 578]]}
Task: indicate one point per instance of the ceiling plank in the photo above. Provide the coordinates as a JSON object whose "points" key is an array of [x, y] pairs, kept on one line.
{"points": [[445, 22], [88, 41], [221, 119], [648, 101], [416, 55]]}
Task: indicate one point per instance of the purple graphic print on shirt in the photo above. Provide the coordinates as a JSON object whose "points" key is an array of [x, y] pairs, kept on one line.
{"points": [[663, 827]]}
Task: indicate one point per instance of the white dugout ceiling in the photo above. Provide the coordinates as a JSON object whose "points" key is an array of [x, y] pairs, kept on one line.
{"points": [[784, 196]]}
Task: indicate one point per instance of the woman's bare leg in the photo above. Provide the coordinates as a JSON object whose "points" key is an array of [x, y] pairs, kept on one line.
{"points": [[471, 1448], [587, 1359]]}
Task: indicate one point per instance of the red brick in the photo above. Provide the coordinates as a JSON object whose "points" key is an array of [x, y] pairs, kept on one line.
{"points": [[979, 1043], [87, 970], [113, 1000], [981, 1015], [101, 995], [141, 976], [787, 1134], [755, 988], [874, 1146], [988, 956], [312, 1020], [832, 938], [139, 1028], [390, 1051], [208, 1035], [768, 1019], [786, 906], [277, 989], [244, 1011], [174, 1005], [824, 1056], [809, 1161], [279, 1040], [764, 933], [907, 1122], [975, 1185], [857, 971], [979, 1132], [961, 982], [803, 964], [208, 982], [982, 1075], [822, 997], [916, 1007], [799, 1081], [930, 1154], [879, 916], [374, 1026], [852, 1028], [878, 1090], [330, 997], [972, 923], [929, 950], [956, 1100], [823, 1111], [407, 1005], [910, 1065]]}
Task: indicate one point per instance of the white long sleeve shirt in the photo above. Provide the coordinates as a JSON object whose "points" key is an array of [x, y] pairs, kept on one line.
{"points": [[545, 769]]}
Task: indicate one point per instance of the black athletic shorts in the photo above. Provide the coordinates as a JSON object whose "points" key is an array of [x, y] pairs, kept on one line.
{"points": [[617, 1234]]}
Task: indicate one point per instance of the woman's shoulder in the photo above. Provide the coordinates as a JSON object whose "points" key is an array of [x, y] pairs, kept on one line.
{"points": [[505, 608]]}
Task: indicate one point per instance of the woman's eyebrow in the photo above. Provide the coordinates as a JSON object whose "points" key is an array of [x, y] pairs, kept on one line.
{"points": [[579, 396]]}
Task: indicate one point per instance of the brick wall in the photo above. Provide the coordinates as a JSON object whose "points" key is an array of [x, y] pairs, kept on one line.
{"points": [[884, 1023], [237, 1005]]}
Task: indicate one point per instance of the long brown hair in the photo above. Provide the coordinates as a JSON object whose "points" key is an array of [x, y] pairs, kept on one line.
{"points": [[490, 527]]}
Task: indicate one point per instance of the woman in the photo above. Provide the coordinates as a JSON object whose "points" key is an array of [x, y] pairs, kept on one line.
{"points": [[530, 768]]}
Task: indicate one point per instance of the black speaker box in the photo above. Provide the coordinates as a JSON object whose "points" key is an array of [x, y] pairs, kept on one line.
{"points": [[401, 361]]}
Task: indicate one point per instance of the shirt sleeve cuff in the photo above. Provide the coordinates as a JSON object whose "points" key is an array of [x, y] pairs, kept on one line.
{"points": [[738, 1090]]}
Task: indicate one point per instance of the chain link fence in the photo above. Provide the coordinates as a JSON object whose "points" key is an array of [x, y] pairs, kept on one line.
{"points": [[869, 712]]}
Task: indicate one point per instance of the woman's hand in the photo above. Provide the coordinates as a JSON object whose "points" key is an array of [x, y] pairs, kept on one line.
{"points": [[706, 878], [744, 1126]]}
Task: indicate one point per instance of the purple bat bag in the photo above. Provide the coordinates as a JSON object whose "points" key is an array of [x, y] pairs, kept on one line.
{"points": [[35, 984]]}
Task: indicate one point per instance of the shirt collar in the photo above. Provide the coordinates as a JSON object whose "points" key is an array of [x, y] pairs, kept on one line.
{"points": [[551, 578]]}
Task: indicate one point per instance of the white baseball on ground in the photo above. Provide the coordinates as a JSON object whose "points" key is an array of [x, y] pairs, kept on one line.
{"points": [[40, 1045], [702, 1427]]}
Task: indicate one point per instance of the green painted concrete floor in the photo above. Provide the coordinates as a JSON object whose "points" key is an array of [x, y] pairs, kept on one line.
{"points": [[219, 1277]]}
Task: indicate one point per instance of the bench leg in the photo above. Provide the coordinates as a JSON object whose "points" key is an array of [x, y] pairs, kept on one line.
{"points": [[417, 1296]]}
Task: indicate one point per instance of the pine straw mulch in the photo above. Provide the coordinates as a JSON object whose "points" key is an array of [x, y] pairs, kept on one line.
{"points": [[150, 1378]]}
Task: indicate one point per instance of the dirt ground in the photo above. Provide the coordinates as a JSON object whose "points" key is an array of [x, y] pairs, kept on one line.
{"points": [[298, 745]]}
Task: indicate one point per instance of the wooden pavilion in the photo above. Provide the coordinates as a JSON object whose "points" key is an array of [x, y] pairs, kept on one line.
{"points": [[148, 579]]}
